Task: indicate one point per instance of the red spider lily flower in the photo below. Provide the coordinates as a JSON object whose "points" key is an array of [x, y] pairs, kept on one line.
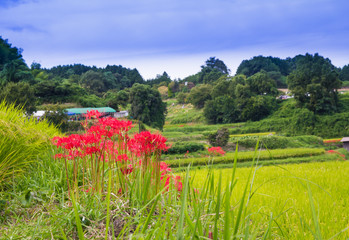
{"points": [[217, 151], [70, 142], [127, 170], [88, 190], [147, 143], [112, 126], [92, 114], [178, 184], [60, 155], [336, 152], [122, 158]]}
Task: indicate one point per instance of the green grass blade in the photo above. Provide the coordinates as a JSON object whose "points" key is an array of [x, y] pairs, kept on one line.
{"points": [[183, 206], [218, 207], [314, 215]]}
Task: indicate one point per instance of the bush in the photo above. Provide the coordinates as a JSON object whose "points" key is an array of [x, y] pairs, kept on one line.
{"points": [[183, 147], [219, 138], [182, 97]]}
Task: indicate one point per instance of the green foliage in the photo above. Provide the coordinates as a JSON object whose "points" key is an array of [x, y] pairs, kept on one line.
{"points": [[268, 64], [260, 83], [199, 95], [21, 141], [21, 94], [182, 97], [91, 101], [210, 72], [183, 147], [12, 65], [56, 116], [162, 80], [314, 84], [219, 138], [241, 99], [344, 73], [222, 109], [147, 106]]}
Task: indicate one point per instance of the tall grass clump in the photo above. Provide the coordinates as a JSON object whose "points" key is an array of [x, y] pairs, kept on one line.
{"points": [[22, 139]]}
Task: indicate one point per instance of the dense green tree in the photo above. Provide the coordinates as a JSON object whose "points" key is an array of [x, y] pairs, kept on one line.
{"points": [[221, 87], [182, 97], [173, 86], [260, 83], [215, 63], [93, 82], [163, 79], [314, 84], [221, 109], [257, 107], [344, 74], [268, 64], [90, 100], [147, 105], [21, 94], [12, 65], [199, 95]]}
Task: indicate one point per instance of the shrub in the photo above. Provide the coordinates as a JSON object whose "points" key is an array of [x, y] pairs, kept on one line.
{"points": [[182, 97], [219, 138]]}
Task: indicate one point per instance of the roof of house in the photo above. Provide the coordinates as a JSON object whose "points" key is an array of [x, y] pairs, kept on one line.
{"points": [[345, 139], [72, 111]]}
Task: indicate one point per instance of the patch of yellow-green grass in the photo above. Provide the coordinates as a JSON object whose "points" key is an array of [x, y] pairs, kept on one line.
{"points": [[249, 156], [183, 113], [282, 192], [253, 134]]}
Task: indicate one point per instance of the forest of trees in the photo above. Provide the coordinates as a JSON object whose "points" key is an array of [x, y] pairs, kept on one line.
{"points": [[250, 94]]}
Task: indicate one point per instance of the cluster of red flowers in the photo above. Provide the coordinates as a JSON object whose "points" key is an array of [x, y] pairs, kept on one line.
{"points": [[147, 143], [216, 151], [107, 140], [336, 152]]}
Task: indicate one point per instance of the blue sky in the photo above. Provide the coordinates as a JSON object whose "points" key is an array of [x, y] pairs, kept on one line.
{"points": [[176, 36]]}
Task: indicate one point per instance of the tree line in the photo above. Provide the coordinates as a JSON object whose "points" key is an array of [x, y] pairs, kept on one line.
{"points": [[250, 94]]}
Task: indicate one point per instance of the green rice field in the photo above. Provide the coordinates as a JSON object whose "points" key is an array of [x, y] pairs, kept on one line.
{"points": [[281, 192]]}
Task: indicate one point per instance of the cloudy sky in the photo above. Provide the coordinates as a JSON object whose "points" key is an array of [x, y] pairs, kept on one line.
{"points": [[176, 36]]}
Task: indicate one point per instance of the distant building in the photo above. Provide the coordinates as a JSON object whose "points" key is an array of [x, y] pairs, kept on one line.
{"points": [[121, 114], [345, 142], [79, 113]]}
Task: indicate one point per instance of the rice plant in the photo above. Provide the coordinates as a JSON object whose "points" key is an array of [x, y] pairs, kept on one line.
{"points": [[22, 139]]}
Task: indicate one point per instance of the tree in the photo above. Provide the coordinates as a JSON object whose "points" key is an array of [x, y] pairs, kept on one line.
{"points": [[21, 94], [344, 73], [314, 84], [268, 64], [93, 82], [215, 63], [12, 65], [147, 106], [260, 83], [257, 107], [222, 109], [199, 94]]}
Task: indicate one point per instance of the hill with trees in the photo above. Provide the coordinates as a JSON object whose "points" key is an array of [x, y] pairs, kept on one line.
{"points": [[249, 95]]}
